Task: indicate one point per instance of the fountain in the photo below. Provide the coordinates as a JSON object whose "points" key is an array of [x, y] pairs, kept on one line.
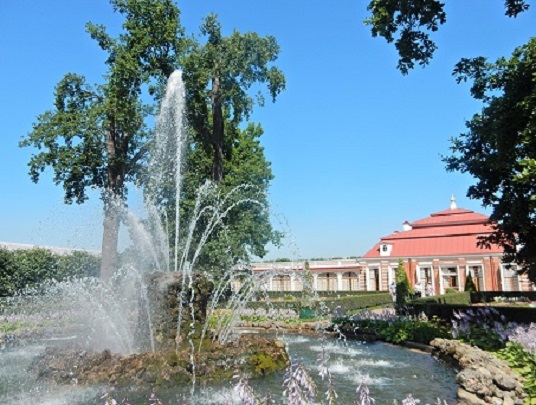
{"points": [[151, 325]]}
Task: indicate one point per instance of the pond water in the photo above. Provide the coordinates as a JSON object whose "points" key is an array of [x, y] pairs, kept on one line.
{"points": [[391, 372]]}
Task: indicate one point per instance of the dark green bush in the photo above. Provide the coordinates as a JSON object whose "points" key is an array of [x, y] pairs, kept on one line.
{"points": [[21, 269], [399, 329], [403, 288], [320, 294], [489, 296], [469, 284], [459, 298], [446, 311], [342, 304]]}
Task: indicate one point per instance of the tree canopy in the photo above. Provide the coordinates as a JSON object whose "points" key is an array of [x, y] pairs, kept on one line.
{"points": [[95, 136], [499, 149], [244, 228], [409, 23], [219, 75]]}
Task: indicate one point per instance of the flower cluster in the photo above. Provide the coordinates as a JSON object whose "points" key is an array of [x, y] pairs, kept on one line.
{"points": [[525, 335], [324, 373], [300, 389], [484, 327], [362, 394]]}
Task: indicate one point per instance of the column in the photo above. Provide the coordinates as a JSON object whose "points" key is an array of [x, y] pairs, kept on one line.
{"points": [[339, 281]]}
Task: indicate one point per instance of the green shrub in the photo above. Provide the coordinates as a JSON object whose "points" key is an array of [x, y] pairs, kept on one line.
{"points": [[446, 311], [400, 329], [458, 298], [403, 289], [20, 269], [524, 364], [78, 264], [469, 284], [342, 304]]}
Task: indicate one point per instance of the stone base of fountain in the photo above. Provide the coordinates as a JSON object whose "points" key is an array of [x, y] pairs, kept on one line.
{"points": [[175, 348], [174, 312], [252, 354]]}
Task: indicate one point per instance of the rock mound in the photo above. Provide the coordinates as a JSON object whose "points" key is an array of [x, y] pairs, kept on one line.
{"points": [[483, 378]]}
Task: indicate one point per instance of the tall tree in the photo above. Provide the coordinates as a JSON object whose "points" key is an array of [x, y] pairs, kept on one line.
{"points": [[245, 229], [499, 149], [219, 75], [408, 23], [95, 136]]}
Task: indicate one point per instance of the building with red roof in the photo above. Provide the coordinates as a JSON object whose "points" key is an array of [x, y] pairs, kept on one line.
{"points": [[438, 252]]}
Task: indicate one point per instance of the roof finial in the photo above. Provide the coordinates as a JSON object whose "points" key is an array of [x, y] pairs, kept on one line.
{"points": [[453, 205]]}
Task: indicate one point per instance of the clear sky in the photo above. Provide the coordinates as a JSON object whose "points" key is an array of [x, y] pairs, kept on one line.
{"points": [[355, 146]]}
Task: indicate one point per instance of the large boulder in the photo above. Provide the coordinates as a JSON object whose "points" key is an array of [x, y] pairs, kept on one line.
{"points": [[483, 378]]}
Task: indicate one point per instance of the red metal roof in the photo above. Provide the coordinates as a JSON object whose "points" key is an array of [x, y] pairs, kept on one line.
{"points": [[456, 216], [445, 233]]}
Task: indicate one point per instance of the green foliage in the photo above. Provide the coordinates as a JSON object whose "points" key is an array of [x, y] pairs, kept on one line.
{"points": [[499, 149], [78, 264], [354, 302], [409, 23], [524, 364], [95, 136], [458, 297], [245, 229], [218, 76], [343, 304], [403, 289], [308, 292], [413, 330], [405, 20], [320, 294], [469, 284], [22, 269], [400, 329]]}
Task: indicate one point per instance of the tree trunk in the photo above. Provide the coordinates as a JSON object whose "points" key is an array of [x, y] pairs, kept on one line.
{"points": [[110, 239], [113, 204], [217, 132]]}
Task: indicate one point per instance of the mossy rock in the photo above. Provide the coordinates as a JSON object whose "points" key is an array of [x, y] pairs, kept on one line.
{"points": [[261, 363]]}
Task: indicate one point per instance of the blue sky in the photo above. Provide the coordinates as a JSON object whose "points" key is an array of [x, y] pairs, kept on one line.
{"points": [[355, 146]]}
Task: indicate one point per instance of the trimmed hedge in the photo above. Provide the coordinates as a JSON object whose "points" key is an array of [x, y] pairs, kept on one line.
{"points": [[332, 294], [489, 296], [459, 298], [446, 311], [342, 304], [345, 304], [20, 269]]}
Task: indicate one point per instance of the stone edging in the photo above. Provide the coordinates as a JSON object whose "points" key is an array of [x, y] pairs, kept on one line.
{"points": [[483, 378]]}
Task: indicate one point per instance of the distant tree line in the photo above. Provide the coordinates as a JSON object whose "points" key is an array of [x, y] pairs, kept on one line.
{"points": [[21, 269]]}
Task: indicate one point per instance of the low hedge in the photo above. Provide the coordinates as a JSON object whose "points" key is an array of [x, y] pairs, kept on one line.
{"points": [[335, 304], [446, 311], [489, 296], [459, 298], [26, 268], [328, 294]]}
